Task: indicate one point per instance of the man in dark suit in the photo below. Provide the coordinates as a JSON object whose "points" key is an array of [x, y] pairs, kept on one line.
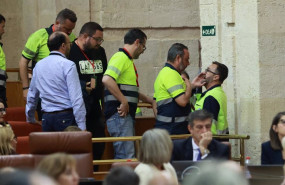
{"points": [[201, 145]]}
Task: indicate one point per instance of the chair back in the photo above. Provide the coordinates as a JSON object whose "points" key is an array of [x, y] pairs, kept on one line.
{"points": [[15, 114], [78, 144], [17, 161]]}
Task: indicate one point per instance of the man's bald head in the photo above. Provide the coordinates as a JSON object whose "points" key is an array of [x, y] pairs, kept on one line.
{"points": [[56, 39]]}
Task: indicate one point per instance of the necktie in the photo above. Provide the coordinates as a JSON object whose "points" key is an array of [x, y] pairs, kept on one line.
{"points": [[199, 155]]}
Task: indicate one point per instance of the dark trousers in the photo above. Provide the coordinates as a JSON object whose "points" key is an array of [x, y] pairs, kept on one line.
{"points": [[57, 121], [95, 124]]}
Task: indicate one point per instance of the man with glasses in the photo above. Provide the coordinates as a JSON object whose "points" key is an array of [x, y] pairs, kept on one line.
{"points": [[122, 93], [214, 99], [91, 62], [172, 92]]}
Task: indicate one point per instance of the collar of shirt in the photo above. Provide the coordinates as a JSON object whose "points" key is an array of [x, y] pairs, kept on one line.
{"points": [[1, 44], [195, 150], [57, 53], [126, 52], [210, 89], [170, 66]]}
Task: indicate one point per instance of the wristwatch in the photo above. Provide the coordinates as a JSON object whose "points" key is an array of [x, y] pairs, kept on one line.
{"points": [[206, 152]]}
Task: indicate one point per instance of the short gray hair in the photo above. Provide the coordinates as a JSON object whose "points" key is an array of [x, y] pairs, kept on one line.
{"points": [[200, 115], [174, 50], [155, 147]]}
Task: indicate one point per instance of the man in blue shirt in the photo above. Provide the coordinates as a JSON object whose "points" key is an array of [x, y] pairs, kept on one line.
{"points": [[55, 80]]}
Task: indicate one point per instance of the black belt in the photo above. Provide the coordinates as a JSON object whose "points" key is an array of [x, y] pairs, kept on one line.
{"points": [[60, 111]]}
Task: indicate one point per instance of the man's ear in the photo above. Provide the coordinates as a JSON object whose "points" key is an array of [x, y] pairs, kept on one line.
{"points": [[217, 77], [177, 58], [189, 128], [137, 41]]}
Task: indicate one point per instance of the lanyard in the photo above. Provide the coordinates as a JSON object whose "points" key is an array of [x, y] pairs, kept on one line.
{"points": [[92, 64], [137, 75]]}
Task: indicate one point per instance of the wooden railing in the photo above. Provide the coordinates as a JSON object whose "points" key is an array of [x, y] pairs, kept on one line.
{"points": [[241, 139]]}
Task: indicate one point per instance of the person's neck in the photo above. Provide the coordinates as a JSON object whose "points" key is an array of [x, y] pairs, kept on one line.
{"points": [[130, 49], [80, 43], [212, 84]]}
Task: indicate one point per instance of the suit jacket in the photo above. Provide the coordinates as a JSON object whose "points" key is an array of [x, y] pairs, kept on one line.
{"points": [[183, 150], [269, 155]]}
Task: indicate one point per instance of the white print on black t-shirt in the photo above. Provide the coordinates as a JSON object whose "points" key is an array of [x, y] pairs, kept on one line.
{"points": [[86, 67]]}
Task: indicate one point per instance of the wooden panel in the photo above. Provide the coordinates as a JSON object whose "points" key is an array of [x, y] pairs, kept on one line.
{"points": [[15, 94], [143, 124]]}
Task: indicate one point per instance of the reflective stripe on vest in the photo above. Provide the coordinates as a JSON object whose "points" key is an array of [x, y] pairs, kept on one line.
{"points": [[165, 101], [174, 88], [129, 98], [169, 119], [214, 127], [129, 88], [116, 70]]}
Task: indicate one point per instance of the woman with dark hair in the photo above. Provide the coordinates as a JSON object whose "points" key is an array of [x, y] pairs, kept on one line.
{"points": [[271, 152]]}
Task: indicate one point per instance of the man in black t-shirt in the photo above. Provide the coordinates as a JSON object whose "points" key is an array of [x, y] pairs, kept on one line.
{"points": [[91, 62]]}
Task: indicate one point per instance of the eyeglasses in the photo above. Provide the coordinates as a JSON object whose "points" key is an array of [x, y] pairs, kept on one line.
{"points": [[144, 48], [2, 110], [208, 70], [97, 39]]}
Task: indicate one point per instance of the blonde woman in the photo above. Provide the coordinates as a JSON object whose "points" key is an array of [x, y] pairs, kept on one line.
{"points": [[61, 167], [154, 155], [8, 140]]}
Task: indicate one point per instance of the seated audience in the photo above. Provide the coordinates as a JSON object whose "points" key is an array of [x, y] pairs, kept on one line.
{"points": [[122, 175], [8, 140], [271, 151], [61, 167], [218, 173], [201, 145], [154, 155]]}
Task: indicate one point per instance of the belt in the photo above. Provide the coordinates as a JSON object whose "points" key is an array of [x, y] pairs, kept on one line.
{"points": [[60, 111]]}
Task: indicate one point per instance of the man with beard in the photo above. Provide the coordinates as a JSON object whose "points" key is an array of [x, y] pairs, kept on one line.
{"points": [[122, 93], [172, 92], [214, 99], [91, 63], [55, 81]]}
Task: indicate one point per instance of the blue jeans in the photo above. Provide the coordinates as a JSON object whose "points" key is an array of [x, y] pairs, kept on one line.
{"points": [[119, 127], [57, 121]]}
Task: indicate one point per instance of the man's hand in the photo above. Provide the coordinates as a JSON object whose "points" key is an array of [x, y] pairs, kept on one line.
{"points": [[199, 80], [25, 94], [187, 82], [88, 88], [123, 110], [205, 141]]}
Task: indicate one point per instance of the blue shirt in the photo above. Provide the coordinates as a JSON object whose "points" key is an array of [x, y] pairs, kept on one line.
{"points": [[55, 80]]}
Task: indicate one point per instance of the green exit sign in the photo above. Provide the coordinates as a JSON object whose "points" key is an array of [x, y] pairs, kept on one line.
{"points": [[208, 30]]}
